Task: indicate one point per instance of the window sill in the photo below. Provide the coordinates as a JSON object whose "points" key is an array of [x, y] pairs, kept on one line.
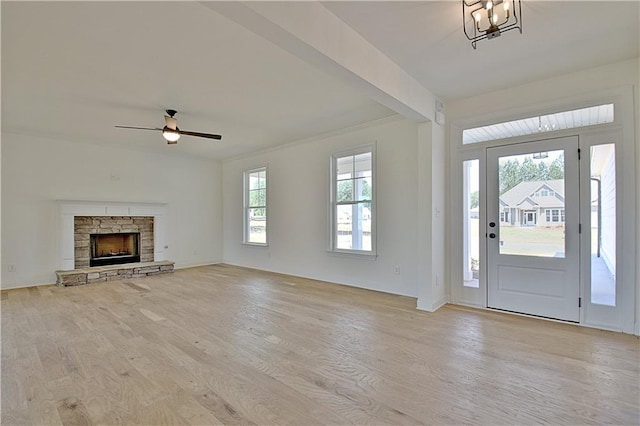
{"points": [[244, 243], [353, 254]]}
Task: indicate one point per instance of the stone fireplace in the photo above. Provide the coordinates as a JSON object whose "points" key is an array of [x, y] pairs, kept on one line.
{"points": [[79, 219], [85, 228], [111, 240]]}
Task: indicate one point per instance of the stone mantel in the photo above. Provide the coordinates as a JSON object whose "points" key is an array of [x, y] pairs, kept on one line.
{"points": [[68, 210]]}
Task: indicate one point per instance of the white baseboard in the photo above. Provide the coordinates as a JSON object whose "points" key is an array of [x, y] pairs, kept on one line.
{"points": [[25, 286], [198, 265]]}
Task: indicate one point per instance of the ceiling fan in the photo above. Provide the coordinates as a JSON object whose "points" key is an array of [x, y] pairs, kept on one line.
{"points": [[171, 132]]}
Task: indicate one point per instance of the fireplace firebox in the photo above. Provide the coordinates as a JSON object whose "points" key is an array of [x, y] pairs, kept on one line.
{"points": [[114, 249]]}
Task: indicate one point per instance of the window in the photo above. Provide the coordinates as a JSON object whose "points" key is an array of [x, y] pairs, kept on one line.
{"points": [[522, 236], [554, 215], [545, 193], [255, 206], [352, 201], [471, 223], [603, 224], [544, 123]]}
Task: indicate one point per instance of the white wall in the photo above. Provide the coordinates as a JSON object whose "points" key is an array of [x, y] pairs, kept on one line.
{"points": [[36, 172], [298, 196]]}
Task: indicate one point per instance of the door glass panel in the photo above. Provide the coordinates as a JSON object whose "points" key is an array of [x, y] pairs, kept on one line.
{"points": [[603, 225], [471, 223], [531, 204]]}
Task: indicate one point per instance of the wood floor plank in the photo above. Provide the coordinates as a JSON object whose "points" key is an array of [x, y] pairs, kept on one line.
{"points": [[228, 345]]}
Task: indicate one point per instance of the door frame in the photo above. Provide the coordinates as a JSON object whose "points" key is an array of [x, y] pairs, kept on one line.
{"points": [[622, 130]]}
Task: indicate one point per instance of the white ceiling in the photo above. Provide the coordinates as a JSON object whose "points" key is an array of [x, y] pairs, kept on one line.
{"points": [[73, 70], [426, 40]]}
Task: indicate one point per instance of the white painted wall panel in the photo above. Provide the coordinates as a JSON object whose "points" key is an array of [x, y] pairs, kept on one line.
{"points": [[298, 196]]}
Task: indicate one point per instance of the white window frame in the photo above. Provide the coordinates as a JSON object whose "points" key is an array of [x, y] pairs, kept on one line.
{"points": [[332, 246], [247, 206]]}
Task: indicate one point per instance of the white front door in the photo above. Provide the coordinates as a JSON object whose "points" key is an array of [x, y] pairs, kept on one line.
{"points": [[533, 265], [530, 218]]}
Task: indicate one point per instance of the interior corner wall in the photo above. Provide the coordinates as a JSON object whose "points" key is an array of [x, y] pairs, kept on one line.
{"points": [[36, 172], [439, 211], [298, 209], [432, 281]]}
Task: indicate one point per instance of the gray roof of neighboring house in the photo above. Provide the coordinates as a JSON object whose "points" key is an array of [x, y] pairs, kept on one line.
{"points": [[523, 194]]}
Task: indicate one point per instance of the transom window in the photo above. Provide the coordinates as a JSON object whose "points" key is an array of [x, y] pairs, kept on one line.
{"points": [[255, 206], [352, 201], [600, 114]]}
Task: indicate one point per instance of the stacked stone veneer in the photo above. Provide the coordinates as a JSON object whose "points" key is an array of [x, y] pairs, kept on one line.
{"points": [[112, 272], [84, 226]]}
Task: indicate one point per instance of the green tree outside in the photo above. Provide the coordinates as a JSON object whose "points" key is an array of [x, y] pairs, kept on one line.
{"points": [[512, 172]]}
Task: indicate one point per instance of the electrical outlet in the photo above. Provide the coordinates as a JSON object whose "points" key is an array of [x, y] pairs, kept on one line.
{"points": [[396, 270], [12, 268]]}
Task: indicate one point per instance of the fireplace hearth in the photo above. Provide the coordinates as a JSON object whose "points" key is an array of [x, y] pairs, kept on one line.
{"points": [[114, 249]]}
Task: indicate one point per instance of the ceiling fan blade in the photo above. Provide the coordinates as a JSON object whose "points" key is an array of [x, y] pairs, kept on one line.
{"points": [[137, 128], [171, 122], [200, 135]]}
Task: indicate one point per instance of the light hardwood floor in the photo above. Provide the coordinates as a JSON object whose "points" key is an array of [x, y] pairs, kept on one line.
{"points": [[226, 345]]}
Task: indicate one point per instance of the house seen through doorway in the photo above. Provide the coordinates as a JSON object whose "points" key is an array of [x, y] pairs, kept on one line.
{"points": [[532, 214]]}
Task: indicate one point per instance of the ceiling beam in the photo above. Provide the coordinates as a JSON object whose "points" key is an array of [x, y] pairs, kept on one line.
{"points": [[312, 33]]}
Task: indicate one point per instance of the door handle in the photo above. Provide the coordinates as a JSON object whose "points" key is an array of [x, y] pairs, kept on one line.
{"points": [[492, 235]]}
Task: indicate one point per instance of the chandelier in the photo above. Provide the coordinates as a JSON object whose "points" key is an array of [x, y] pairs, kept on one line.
{"points": [[487, 19]]}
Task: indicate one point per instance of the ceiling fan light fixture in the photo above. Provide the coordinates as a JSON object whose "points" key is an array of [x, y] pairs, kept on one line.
{"points": [[171, 135], [171, 132]]}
